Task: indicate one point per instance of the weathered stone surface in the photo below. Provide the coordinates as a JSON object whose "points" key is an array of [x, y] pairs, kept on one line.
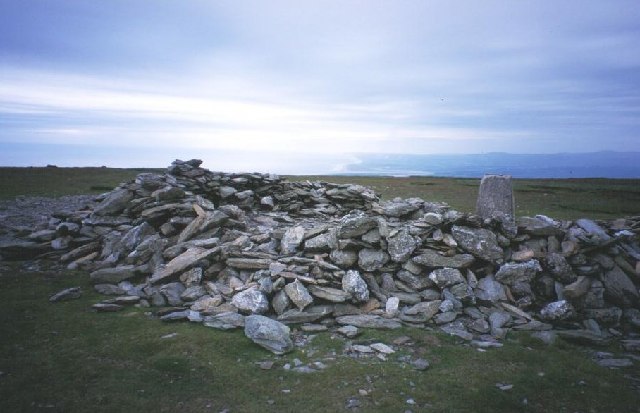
{"points": [[557, 311], [251, 301], [368, 321], [584, 337], [72, 293], [371, 259], [355, 224], [172, 292], [115, 202], [495, 197], [479, 242], [270, 334], [113, 275], [298, 294], [291, 240], [445, 277], [181, 263], [489, 290], [344, 258], [539, 225], [413, 281], [425, 309], [225, 321], [619, 288], [249, 263], [430, 258], [401, 246], [353, 284], [512, 273], [329, 294], [392, 305], [309, 315], [578, 288], [559, 268]]}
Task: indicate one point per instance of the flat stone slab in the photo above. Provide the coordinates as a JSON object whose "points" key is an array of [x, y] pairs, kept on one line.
{"points": [[368, 321]]}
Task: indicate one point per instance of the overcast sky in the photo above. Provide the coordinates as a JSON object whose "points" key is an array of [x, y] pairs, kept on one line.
{"points": [[133, 83]]}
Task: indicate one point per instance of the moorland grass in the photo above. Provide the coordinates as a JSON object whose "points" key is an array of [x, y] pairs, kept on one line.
{"points": [[64, 357]]}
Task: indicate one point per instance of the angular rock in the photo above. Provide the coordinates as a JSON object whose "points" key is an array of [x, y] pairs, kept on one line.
{"points": [[495, 197], [540, 225], [371, 260], [479, 242], [270, 334], [353, 284], [344, 258], [430, 258], [72, 293], [368, 321], [401, 246], [489, 290], [113, 275], [172, 292], [298, 294], [560, 269], [512, 273], [330, 294], [114, 203], [446, 277], [251, 301], [619, 288], [355, 224], [557, 311], [181, 263], [291, 240], [578, 288], [225, 321]]}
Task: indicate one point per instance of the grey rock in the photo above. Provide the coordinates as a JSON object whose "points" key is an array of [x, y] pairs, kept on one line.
{"points": [[251, 300], [513, 273], [114, 203], [557, 311], [291, 240], [322, 242], [401, 246], [107, 307], [192, 277], [368, 321], [298, 294], [172, 293], [489, 290], [479, 242], [412, 281], [225, 321], [560, 269], [227, 191], [182, 315], [353, 284], [108, 289], [605, 316], [280, 302], [193, 292], [355, 224], [495, 197], [399, 207], [425, 309], [330, 294], [547, 337], [310, 315], [270, 334], [344, 258], [372, 259], [249, 263], [540, 225], [578, 288], [614, 363], [619, 288], [444, 318], [498, 319], [348, 331], [457, 331], [392, 306], [113, 275], [181, 263], [597, 234], [445, 277], [72, 293], [206, 304], [420, 364], [430, 258]]}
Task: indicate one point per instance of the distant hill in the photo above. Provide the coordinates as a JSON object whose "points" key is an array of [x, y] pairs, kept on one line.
{"points": [[561, 165]]}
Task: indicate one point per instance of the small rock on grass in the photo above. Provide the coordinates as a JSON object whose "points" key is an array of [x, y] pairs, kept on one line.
{"points": [[420, 364], [348, 331], [66, 294], [106, 308]]}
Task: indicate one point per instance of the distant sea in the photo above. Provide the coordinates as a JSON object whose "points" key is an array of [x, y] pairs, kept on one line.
{"points": [[561, 165]]}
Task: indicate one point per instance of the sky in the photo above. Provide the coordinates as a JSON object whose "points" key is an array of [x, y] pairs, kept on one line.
{"points": [[292, 86]]}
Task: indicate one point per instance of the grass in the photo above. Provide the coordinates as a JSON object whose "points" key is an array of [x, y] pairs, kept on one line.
{"points": [[65, 358], [558, 198]]}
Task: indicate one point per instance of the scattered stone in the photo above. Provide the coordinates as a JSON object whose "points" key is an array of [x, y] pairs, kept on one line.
{"points": [[557, 311], [72, 293], [368, 321], [251, 301], [353, 284], [225, 321], [382, 348], [420, 364], [479, 242], [107, 308], [270, 334]]}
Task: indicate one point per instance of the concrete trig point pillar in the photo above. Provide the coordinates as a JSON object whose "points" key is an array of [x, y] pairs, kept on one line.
{"points": [[495, 198]]}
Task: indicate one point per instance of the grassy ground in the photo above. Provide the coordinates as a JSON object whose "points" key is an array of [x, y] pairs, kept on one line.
{"points": [[559, 198], [64, 358]]}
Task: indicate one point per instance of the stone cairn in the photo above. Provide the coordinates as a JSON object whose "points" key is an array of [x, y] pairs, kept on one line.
{"points": [[255, 251]]}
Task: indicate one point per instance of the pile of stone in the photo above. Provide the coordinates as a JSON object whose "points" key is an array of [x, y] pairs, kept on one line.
{"points": [[217, 248]]}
